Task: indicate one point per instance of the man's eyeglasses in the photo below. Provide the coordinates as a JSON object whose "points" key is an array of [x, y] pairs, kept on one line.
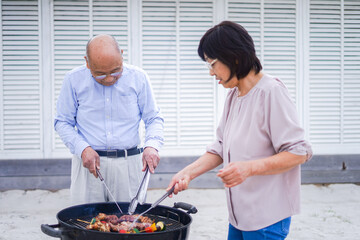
{"points": [[102, 77], [211, 64]]}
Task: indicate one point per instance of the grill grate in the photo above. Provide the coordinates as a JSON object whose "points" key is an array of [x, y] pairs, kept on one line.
{"points": [[170, 223]]}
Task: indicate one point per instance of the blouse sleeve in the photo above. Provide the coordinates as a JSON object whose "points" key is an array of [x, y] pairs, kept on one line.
{"points": [[217, 146], [284, 127]]}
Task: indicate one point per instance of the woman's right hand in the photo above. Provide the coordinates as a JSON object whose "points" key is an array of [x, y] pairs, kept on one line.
{"points": [[203, 164], [181, 182]]}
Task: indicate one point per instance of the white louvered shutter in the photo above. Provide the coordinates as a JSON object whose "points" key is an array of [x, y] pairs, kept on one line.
{"points": [[197, 116], [21, 131], [351, 75], [71, 32], [334, 88], [325, 72], [159, 58], [272, 25], [74, 23], [185, 92]]}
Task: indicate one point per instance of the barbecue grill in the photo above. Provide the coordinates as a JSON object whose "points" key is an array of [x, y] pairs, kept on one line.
{"points": [[72, 222]]}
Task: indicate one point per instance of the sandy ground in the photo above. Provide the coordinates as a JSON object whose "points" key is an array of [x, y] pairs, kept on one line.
{"points": [[328, 212]]}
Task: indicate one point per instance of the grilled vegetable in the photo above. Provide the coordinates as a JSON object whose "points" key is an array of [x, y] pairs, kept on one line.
{"points": [[160, 226], [153, 227]]}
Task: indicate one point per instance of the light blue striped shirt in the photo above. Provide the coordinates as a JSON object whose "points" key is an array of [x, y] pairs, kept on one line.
{"points": [[107, 117]]}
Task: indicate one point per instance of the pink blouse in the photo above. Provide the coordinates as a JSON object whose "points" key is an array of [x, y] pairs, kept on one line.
{"points": [[260, 124]]}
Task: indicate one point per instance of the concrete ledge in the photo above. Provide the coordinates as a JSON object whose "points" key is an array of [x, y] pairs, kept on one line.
{"points": [[54, 174], [332, 169]]}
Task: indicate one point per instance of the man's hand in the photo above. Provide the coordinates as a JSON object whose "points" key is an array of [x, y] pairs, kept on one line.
{"points": [[91, 160], [151, 158]]}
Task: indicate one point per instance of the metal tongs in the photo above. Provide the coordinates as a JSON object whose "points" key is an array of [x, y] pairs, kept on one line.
{"points": [[107, 188], [161, 199], [141, 192], [155, 204]]}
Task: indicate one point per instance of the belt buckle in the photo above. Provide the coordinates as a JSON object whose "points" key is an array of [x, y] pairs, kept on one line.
{"points": [[111, 153]]}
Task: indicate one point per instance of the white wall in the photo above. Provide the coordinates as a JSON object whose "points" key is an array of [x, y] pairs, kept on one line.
{"points": [[313, 46]]}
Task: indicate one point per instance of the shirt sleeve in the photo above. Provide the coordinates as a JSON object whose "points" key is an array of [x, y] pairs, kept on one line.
{"points": [[151, 115], [284, 127], [65, 119]]}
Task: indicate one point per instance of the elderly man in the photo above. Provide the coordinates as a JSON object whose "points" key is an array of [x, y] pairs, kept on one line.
{"points": [[99, 110]]}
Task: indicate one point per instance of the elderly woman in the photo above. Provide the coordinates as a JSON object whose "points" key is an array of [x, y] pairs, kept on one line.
{"points": [[259, 140]]}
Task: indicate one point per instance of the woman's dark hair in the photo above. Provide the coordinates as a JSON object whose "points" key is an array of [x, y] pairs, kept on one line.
{"points": [[231, 44]]}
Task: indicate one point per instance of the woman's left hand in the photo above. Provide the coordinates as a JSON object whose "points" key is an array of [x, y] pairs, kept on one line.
{"points": [[235, 173]]}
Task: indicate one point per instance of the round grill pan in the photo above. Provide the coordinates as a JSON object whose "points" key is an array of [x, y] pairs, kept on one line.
{"points": [[177, 222]]}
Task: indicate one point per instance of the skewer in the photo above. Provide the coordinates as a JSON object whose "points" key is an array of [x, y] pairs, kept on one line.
{"points": [[82, 221]]}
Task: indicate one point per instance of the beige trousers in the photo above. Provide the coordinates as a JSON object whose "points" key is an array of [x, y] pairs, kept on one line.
{"points": [[121, 175]]}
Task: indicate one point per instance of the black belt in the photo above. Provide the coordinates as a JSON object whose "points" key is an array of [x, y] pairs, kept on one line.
{"points": [[116, 153]]}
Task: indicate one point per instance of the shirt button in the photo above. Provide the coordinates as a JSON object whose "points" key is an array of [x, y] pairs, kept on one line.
{"points": [[107, 99], [109, 133], [107, 117]]}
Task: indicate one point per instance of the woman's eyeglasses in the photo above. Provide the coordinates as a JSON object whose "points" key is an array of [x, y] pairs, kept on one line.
{"points": [[211, 64]]}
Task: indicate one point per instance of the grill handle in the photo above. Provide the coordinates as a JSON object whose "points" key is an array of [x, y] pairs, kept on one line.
{"points": [[190, 208], [50, 230]]}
